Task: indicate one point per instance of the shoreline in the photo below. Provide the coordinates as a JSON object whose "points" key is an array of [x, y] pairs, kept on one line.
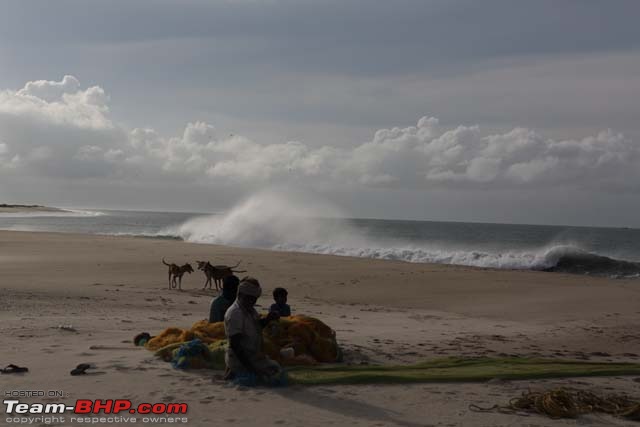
{"points": [[437, 279], [547, 270], [110, 288], [8, 208]]}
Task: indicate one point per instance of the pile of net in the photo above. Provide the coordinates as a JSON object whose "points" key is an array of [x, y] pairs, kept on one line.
{"points": [[296, 340], [566, 402], [458, 369]]}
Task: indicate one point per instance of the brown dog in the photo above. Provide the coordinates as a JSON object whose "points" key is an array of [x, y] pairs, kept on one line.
{"points": [[216, 273], [176, 272]]}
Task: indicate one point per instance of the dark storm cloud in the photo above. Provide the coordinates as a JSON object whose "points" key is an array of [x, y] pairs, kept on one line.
{"points": [[353, 37]]}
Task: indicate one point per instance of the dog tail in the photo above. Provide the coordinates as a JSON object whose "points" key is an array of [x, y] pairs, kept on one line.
{"points": [[165, 263], [236, 265]]}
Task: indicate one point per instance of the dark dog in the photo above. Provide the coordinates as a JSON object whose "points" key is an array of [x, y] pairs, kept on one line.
{"points": [[176, 272], [216, 273]]}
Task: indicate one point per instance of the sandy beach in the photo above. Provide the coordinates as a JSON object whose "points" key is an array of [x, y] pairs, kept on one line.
{"points": [[104, 290]]}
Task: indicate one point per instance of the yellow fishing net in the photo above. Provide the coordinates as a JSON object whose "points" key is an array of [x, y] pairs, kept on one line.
{"points": [[311, 340]]}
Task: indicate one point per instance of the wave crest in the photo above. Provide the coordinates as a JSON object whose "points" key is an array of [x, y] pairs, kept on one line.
{"points": [[273, 221]]}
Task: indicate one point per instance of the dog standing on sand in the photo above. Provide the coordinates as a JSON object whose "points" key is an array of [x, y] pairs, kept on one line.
{"points": [[216, 273], [176, 272]]}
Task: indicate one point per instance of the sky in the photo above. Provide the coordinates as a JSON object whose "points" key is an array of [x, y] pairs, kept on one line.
{"points": [[463, 110]]}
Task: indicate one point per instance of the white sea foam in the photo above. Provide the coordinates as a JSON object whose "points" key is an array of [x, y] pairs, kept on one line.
{"points": [[84, 212], [60, 213], [277, 221], [517, 260], [141, 233]]}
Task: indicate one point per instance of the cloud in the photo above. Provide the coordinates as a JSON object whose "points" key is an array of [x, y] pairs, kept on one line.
{"points": [[58, 129], [519, 158], [57, 103], [50, 91], [417, 157], [48, 125]]}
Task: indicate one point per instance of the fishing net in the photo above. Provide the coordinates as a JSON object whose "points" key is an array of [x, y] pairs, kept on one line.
{"points": [[564, 402], [311, 342], [458, 369]]}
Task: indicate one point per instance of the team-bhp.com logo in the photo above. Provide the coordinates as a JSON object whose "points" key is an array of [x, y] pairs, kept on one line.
{"points": [[84, 410]]}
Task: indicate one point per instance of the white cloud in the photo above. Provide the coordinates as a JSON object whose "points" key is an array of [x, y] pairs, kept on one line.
{"points": [[57, 103], [528, 171], [426, 155], [483, 169], [50, 91], [58, 129]]}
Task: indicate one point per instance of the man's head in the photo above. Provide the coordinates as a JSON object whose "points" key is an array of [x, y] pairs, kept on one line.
{"points": [[230, 287], [280, 295], [249, 291]]}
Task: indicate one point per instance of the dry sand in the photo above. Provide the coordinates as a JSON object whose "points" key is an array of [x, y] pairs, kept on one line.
{"points": [[110, 288]]}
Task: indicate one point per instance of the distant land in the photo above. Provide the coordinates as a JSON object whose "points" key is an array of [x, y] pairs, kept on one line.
{"points": [[9, 208]]}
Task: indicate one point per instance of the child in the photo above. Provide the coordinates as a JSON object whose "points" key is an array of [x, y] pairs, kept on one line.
{"points": [[281, 306]]}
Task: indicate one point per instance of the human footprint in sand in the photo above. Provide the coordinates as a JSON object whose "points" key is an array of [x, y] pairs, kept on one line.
{"points": [[246, 362]]}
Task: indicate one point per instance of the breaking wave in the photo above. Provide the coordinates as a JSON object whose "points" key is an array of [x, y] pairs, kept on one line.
{"points": [[572, 260], [270, 220]]}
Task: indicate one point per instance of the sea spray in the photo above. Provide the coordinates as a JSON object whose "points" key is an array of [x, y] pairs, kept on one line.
{"points": [[271, 219], [289, 221], [278, 221]]}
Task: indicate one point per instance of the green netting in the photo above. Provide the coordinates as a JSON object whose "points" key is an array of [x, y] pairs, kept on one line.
{"points": [[459, 369]]}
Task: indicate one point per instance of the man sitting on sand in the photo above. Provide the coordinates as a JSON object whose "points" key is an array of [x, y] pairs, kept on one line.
{"points": [[246, 362], [221, 304]]}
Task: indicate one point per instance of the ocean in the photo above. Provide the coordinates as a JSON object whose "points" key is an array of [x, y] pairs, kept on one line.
{"points": [[612, 252]]}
